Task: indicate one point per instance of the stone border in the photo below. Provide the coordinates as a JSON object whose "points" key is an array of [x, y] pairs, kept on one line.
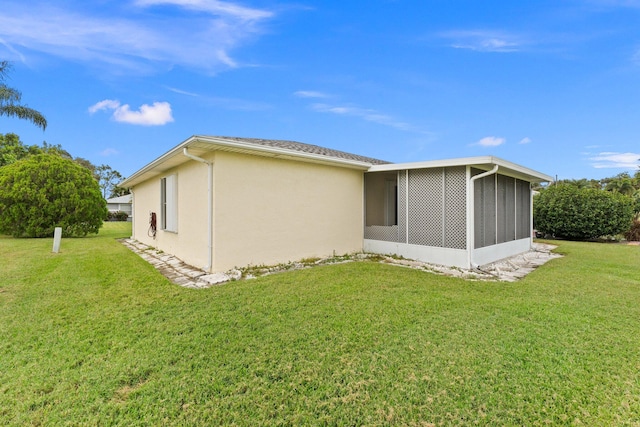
{"points": [[180, 273], [175, 269]]}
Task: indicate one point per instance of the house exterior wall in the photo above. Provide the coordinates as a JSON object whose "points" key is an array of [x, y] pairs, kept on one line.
{"points": [[192, 236], [146, 199], [270, 211], [190, 241], [267, 209]]}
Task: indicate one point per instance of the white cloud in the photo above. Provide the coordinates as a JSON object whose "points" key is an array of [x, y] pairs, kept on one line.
{"points": [[227, 103], [365, 114], [213, 7], [13, 51], [107, 104], [525, 140], [109, 152], [608, 160], [181, 92], [157, 114], [484, 41], [201, 34], [490, 141], [310, 94]]}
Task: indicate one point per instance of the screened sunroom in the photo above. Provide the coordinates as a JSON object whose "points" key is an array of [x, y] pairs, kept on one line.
{"points": [[460, 212]]}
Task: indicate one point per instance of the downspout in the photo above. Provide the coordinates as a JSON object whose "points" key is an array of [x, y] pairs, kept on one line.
{"points": [[472, 203], [210, 205], [133, 214], [531, 233]]}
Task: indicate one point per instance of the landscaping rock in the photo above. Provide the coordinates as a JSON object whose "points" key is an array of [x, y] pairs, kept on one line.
{"points": [[180, 273]]}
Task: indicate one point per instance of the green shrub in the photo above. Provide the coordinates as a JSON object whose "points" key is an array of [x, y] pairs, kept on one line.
{"points": [[569, 212], [41, 192], [633, 234], [117, 216]]}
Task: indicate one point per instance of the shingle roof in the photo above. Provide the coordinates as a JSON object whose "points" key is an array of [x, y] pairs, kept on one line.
{"points": [[304, 148], [198, 145], [120, 199]]}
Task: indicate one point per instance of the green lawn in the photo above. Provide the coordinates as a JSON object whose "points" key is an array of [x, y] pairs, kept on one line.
{"points": [[95, 336]]}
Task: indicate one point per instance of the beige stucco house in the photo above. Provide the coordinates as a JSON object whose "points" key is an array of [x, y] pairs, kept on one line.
{"points": [[224, 202]]}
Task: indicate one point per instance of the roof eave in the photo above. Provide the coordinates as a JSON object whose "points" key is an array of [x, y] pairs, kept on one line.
{"points": [[481, 162], [154, 168]]}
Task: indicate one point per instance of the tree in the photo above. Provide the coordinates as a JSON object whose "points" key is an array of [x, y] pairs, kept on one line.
{"points": [[11, 149], [119, 191], [44, 191], [54, 149], [107, 178], [582, 183], [621, 183], [567, 211], [87, 164], [10, 101]]}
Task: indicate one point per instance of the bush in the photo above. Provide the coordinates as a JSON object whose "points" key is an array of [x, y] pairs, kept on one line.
{"points": [[569, 212], [634, 232], [41, 192], [117, 216]]}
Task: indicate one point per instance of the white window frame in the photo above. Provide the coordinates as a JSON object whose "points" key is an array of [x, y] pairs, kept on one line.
{"points": [[169, 203]]}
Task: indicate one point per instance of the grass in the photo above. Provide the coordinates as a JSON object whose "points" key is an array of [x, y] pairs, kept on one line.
{"points": [[94, 336]]}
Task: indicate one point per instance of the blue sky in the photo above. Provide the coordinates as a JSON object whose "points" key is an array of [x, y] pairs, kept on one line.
{"points": [[552, 85]]}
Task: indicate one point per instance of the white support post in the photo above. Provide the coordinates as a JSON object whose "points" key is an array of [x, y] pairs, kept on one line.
{"points": [[443, 225], [406, 206], [531, 234], [57, 237], [471, 210]]}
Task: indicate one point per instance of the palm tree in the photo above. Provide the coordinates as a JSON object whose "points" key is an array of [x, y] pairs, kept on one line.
{"points": [[621, 183], [10, 101]]}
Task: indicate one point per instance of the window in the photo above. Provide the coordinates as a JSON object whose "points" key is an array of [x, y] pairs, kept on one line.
{"points": [[169, 203]]}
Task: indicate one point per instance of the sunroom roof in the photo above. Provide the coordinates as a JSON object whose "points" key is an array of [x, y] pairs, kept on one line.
{"points": [[484, 163]]}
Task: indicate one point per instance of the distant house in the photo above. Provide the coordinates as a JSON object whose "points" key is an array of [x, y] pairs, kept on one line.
{"points": [[120, 204], [224, 202]]}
